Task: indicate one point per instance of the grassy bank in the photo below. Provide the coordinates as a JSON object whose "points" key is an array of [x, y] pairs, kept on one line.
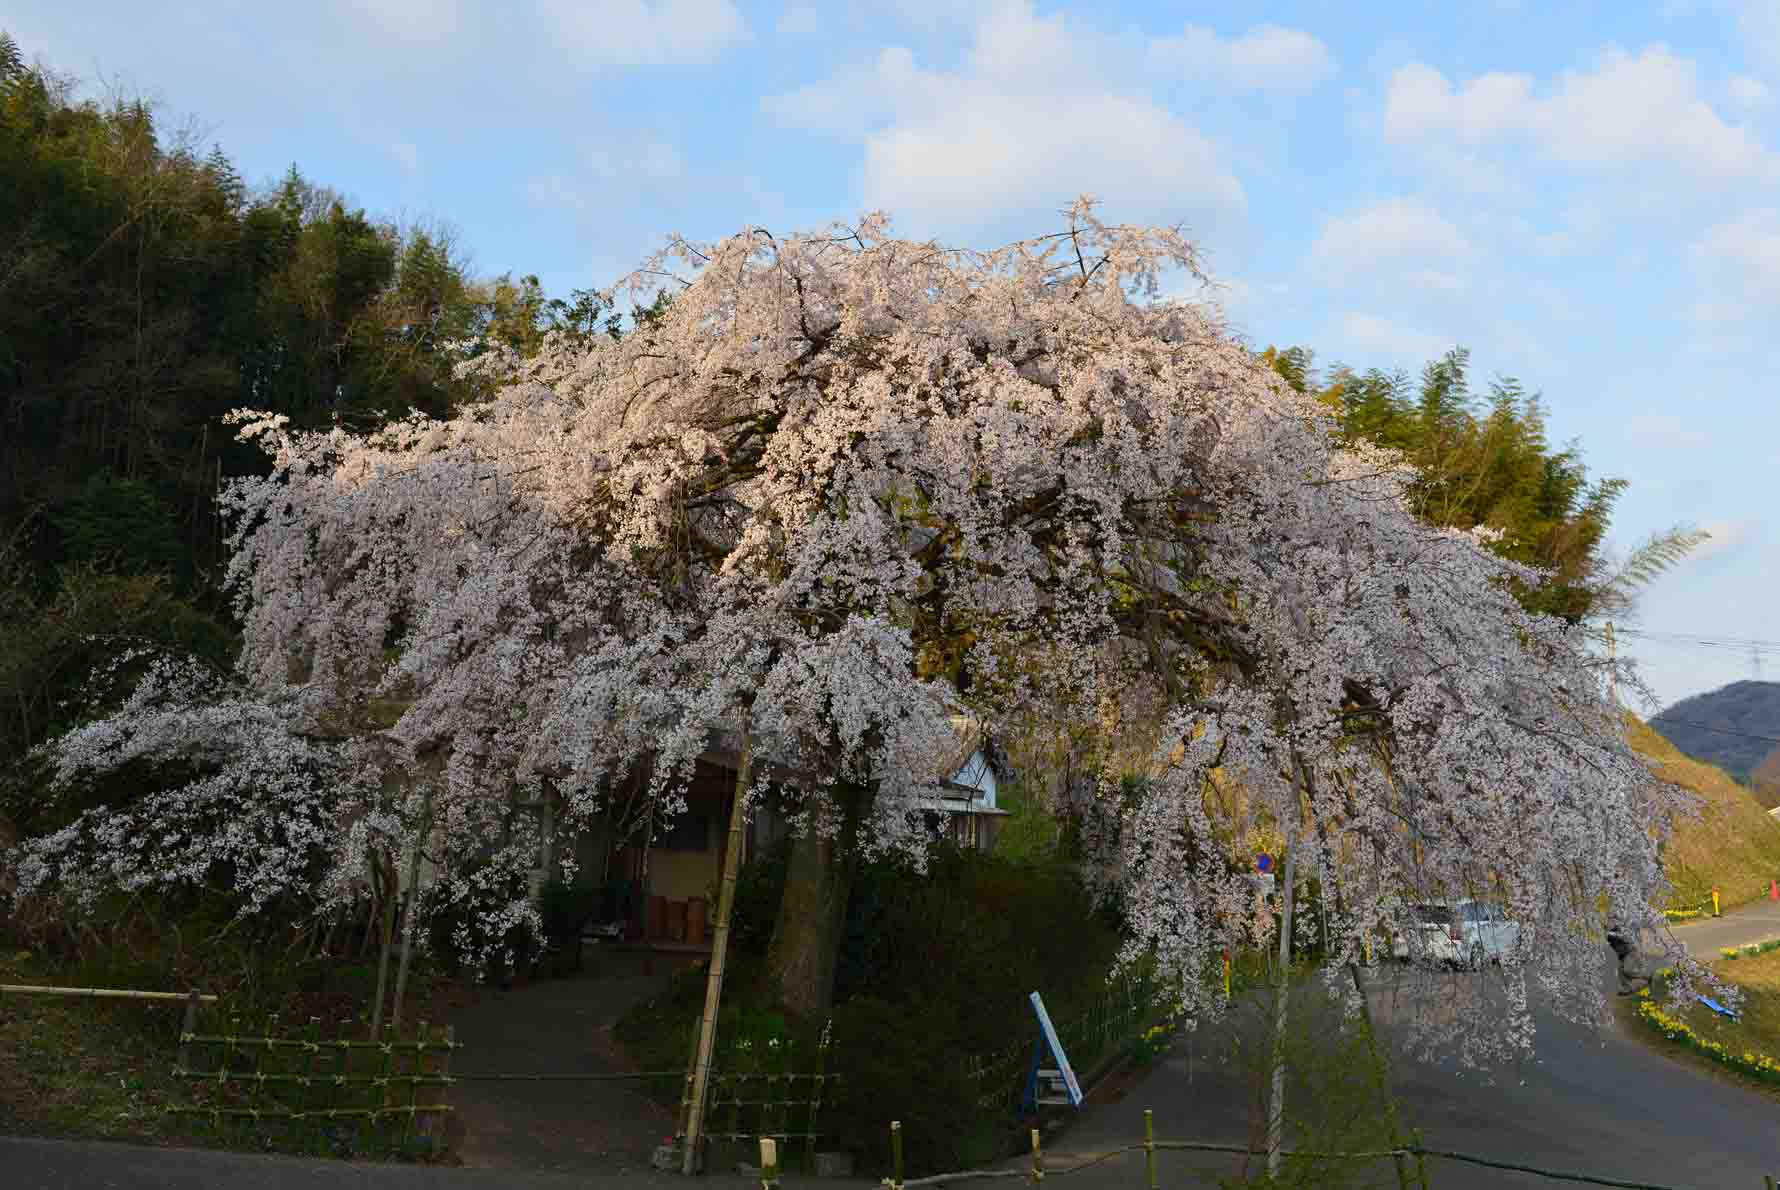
{"points": [[1733, 845], [1748, 1047], [104, 1069], [83, 1068]]}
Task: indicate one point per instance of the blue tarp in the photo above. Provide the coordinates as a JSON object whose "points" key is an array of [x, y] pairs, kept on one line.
{"points": [[1715, 1006]]}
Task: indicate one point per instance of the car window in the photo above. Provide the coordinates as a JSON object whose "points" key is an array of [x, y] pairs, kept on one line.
{"points": [[1433, 915]]}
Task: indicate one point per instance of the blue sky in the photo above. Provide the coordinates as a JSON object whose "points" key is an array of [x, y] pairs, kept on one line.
{"points": [[1586, 195]]}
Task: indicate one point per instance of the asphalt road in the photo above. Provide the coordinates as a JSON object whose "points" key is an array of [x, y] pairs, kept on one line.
{"points": [[1756, 922], [1603, 1104], [28, 1164]]}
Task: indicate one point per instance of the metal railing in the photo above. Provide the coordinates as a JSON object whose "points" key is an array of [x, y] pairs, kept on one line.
{"points": [[1108, 1023]]}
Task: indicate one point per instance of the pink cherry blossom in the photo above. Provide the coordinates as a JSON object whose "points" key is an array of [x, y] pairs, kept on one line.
{"points": [[850, 488]]}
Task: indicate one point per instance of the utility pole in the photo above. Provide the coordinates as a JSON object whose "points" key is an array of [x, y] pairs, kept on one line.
{"points": [[1276, 1102]]}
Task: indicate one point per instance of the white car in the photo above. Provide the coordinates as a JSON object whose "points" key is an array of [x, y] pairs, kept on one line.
{"points": [[1466, 933]]}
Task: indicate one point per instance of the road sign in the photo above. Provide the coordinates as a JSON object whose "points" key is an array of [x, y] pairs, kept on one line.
{"points": [[1263, 863], [1263, 885]]}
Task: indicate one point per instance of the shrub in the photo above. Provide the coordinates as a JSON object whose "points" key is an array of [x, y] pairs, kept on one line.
{"points": [[897, 1061], [565, 908]]}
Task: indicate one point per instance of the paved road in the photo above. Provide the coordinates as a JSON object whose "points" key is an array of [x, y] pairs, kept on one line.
{"points": [[1602, 1104], [1756, 922]]}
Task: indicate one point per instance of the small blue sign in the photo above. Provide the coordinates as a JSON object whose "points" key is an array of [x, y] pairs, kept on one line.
{"points": [[1263, 863], [1048, 1040]]}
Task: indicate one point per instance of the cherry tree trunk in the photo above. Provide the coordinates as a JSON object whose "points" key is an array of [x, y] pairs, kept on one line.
{"points": [[807, 936], [806, 939]]}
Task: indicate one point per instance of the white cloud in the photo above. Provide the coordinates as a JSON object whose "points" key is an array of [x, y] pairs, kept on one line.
{"points": [[1760, 24], [1737, 265], [643, 32], [1016, 47], [1240, 302], [1642, 114], [648, 166], [1036, 117], [853, 100], [1748, 95], [1360, 335], [1474, 173], [798, 20], [1558, 306], [408, 157], [1665, 429], [1726, 537], [996, 152], [1267, 56], [1401, 240]]}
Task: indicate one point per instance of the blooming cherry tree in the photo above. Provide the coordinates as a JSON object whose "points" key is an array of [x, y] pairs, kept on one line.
{"points": [[847, 487]]}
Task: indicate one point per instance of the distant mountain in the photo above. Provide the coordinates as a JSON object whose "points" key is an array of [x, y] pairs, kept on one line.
{"points": [[1717, 727]]}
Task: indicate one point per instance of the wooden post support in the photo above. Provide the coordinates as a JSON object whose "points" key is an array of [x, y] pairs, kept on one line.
{"points": [[1038, 1160], [699, 1080], [769, 1163], [896, 1153], [1149, 1146], [188, 1025]]}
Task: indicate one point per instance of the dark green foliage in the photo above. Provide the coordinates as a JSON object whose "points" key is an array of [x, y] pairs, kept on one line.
{"points": [[565, 909], [147, 289], [977, 932], [759, 887], [933, 967], [898, 1061], [50, 640], [119, 525], [1485, 461]]}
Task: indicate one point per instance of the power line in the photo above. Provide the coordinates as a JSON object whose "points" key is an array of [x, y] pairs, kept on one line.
{"points": [[1661, 721], [1691, 640]]}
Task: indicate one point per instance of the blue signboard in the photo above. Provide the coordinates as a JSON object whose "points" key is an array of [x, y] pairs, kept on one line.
{"points": [[1050, 1042], [1263, 863]]}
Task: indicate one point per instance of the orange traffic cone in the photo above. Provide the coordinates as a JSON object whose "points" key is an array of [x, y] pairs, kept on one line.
{"points": [[1774, 890]]}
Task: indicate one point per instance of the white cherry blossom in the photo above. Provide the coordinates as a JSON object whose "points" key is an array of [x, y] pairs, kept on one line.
{"points": [[852, 486]]}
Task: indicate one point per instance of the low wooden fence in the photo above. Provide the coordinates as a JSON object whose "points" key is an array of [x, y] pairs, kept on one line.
{"points": [[342, 1094], [753, 1105], [1409, 1159], [328, 1092]]}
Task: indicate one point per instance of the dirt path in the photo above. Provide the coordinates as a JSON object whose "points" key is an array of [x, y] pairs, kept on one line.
{"points": [[556, 1026]]}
